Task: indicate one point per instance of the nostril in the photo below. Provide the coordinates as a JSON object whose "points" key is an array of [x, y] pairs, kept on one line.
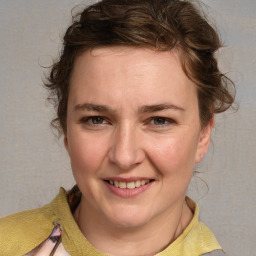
{"points": [[126, 158]]}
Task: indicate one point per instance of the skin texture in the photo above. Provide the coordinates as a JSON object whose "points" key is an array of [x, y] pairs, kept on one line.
{"points": [[148, 127]]}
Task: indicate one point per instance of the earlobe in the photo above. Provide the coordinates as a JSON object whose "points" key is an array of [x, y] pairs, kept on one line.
{"points": [[204, 141]]}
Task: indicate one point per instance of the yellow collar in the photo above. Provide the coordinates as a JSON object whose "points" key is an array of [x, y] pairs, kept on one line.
{"points": [[196, 239]]}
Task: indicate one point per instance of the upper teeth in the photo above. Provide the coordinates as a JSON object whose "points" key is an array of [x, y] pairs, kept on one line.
{"points": [[130, 185]]}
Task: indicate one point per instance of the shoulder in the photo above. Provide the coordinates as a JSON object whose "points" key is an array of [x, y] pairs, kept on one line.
{"points": [[23, 231]]}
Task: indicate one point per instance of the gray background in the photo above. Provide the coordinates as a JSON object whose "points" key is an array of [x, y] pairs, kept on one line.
{"points": [[34, 164]]}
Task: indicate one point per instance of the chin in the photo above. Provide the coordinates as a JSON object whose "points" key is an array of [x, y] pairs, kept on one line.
{"points": [[128, 218]]}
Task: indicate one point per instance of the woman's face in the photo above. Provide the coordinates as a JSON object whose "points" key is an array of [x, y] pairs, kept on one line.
{"points": [[133, 133]]}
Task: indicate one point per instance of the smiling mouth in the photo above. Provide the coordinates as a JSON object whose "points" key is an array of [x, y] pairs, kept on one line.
{"points": [[128, 185]]}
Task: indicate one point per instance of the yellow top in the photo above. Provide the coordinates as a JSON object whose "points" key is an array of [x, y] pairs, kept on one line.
{"points": [[20, 233]]}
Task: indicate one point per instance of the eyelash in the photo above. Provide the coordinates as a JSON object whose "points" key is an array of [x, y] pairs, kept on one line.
{"points": [[165, 121], [89, 120]]}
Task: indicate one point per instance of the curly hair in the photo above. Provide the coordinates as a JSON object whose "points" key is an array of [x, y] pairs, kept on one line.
{"points": [[162, 25]]}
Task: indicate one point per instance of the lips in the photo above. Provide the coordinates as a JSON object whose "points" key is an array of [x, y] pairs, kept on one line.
{"points": [[128, 185], [128, 188]]}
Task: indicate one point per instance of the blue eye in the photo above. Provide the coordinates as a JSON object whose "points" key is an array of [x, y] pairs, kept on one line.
{"points": [[93, 120], [161, 121], [96, 119]]}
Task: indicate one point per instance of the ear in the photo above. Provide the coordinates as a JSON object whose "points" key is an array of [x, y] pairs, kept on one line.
{"points": [[204, 141], [66, 143]]}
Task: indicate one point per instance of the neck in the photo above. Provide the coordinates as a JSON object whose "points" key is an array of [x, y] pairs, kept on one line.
{"points": [[144, 240]]}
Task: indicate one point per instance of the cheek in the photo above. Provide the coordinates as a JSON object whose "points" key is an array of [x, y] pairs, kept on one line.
{"points": [[86, 154], [174, 155]]}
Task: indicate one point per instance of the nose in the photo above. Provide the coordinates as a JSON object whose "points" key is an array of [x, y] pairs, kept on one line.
{"points": [[125, 151]]}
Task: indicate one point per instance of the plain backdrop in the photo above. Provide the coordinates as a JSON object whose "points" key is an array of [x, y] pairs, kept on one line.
{"points": [[34, 164]]}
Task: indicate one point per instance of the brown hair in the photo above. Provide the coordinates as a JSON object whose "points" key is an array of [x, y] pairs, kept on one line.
{"points": [[162, 25]]}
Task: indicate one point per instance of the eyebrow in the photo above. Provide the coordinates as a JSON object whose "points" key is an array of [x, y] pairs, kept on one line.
{"points": [[93, 107], [159, 107], [143, 109]]}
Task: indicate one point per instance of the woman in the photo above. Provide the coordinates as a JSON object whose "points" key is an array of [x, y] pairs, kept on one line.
{"points": [[136, 89]]}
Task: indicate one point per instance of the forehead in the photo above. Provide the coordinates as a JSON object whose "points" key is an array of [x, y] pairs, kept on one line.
{"points": [[121, 72], [137, 59]]}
